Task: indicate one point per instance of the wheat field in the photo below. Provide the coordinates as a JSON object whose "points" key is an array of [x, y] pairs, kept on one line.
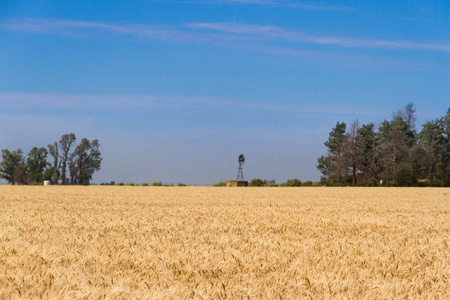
{"points": [[206, 242]]}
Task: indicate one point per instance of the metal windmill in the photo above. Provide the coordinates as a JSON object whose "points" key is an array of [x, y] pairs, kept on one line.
{"points": [[240, 175]]}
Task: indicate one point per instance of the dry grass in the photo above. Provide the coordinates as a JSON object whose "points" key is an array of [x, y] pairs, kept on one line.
{"points": [[200, 242]]}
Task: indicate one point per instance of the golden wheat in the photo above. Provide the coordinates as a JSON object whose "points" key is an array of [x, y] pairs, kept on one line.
{"points": [[205, 242]]}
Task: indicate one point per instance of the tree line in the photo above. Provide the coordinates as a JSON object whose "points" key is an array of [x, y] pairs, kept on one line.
{"points": [[62, 162], [392, 153], [272, 183]]}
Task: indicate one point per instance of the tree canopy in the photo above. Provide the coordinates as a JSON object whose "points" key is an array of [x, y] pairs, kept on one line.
{"points": [[393, 153], [82, 162]]}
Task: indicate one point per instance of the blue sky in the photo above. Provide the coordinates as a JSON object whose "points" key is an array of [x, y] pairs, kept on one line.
{"points": [[176, 90]]}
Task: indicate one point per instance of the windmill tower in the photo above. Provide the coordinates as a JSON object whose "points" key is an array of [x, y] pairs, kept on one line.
{"points": [[240, 175]]}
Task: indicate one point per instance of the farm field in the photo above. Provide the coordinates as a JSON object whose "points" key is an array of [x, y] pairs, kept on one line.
{"points": [[210, 242]]}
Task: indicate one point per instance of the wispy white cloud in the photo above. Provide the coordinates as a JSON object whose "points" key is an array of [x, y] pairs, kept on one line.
{"points": [[120, 103], [307, 5], [300, 36], [251, 37], [106, 102], [98, 29], [212, 33]]}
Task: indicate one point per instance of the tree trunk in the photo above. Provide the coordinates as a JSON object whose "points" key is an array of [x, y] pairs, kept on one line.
{"points": [[354, 175]]}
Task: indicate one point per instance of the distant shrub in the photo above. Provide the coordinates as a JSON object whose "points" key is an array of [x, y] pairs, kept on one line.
{"points": [[423, 183], [157, 183], [405, 178], [257, 182], [119, 183], [166, 184], [222, 183], [131, 184], [181, 184], [438, 183], [387, 183], [368, 184], [145, 184], [292, 182], [308, 183]]}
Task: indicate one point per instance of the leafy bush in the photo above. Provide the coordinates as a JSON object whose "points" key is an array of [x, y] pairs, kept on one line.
{"points": [[145, 184], [120, 183], [292, 182], [438, 183], [157, 183], [181, 184], [131, 184], [308, 183], [222, 183], [405, 178], [324, 181], [387, 183], [257, 182], [372, 183]]}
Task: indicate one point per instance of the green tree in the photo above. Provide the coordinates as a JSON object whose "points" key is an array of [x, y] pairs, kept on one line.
{"points": [[86, 160], [446, 121], [443, 166], [324, 167], [412, 163], [292, 182], [95, 160], [11, 165], [257, 182], [21, 173], [72, 168], [368, 152], [333, 166], [53, 150], [409, 115], [394, 138], [66, 143], [432, 142], [351, 150], [398, 146], [37, 164]]}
